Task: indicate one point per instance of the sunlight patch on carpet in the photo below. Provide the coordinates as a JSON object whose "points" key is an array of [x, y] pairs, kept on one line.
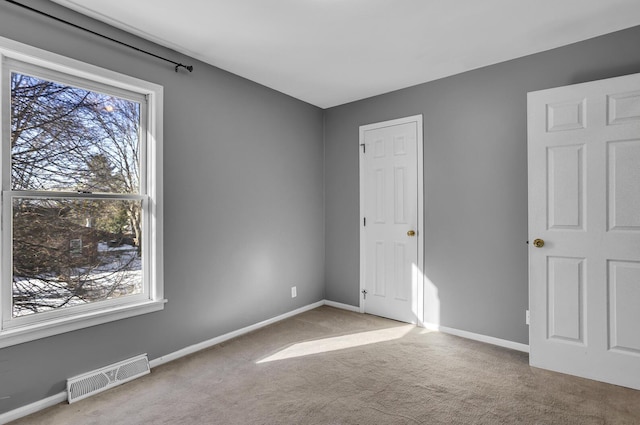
{"points": [[336, 343]]}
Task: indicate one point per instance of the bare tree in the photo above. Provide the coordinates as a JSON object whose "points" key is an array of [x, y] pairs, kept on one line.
{"points": [[65, 138]]}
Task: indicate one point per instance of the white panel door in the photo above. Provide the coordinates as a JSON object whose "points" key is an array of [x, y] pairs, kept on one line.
{"points": [[584, 203], [389, 228]]}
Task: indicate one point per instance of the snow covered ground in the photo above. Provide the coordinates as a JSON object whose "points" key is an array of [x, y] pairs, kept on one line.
{"points": [[119, 273]]}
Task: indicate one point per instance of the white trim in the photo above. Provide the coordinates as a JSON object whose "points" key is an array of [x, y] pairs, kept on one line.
{"points": [[421, 229], [419, 301], [478, 337], [222, 338], [19, 56], [34, 407], [33, 55], [341, 306], [48, 328]]}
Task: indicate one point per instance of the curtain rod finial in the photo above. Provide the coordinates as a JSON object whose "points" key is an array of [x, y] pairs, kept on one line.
{"points": [[187, 67]]}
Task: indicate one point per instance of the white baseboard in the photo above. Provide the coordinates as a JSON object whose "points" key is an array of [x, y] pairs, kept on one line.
{"points": [[34, 407], [342, 306], [478, 337], [61, 397], [457, 332], [222, 338]]}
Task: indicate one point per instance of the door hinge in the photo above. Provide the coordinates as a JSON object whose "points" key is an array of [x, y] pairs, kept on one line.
{"points": [[364, 293], [364, 147], [364, 221]]}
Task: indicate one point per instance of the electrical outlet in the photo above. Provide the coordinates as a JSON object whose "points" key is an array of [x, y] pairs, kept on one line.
{"points": [[294, 292], [527, 317]]}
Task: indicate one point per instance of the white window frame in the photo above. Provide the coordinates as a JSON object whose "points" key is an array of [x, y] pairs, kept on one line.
{"points": [[27, 59]]}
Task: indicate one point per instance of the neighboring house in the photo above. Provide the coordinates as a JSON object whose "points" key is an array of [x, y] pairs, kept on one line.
{"points": [[48, 241]]}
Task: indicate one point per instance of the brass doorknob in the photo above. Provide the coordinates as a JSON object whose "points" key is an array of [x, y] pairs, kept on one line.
{"points": [[538, 243], [411, 233]]}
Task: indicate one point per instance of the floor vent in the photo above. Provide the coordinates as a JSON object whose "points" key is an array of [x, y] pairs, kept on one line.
{"points": [[90, 383]]}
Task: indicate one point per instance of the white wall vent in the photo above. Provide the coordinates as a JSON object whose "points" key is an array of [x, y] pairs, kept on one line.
{"points": [[90, 383]]}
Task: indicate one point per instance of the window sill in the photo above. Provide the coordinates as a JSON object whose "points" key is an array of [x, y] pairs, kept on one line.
{"points": [[35, 331]]}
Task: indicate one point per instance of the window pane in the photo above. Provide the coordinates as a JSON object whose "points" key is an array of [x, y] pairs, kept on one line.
{"points": [[74, 251], [71, 139]]}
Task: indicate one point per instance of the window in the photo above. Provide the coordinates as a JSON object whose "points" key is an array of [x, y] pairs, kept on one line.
{"points": [[81, 195]]}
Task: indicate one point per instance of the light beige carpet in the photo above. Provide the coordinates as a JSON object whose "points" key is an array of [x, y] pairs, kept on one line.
{"points": [[329, 366]]}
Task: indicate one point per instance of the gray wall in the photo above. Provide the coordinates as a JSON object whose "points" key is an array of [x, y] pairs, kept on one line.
{"points": [[243, 192], [243, 173], [475, 180]]}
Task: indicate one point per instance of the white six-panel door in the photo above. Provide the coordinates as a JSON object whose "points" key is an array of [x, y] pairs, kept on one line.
{"points": [[391, 281], [584, 204]]}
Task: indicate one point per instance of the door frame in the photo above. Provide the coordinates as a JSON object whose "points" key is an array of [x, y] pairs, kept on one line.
{"points": [[418, 292]]}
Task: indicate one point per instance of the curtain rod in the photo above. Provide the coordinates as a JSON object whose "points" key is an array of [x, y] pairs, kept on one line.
{"points": [[177, 64]]}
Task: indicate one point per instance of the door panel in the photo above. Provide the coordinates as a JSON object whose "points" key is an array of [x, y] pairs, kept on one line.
{"points": [[565, 286], [624, 107], [623, 176], [584, 202], [624, 310], [380, 277], [565, 187]]}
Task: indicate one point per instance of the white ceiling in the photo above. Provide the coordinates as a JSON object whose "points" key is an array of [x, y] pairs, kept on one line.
{"points": [[330, 52]]}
